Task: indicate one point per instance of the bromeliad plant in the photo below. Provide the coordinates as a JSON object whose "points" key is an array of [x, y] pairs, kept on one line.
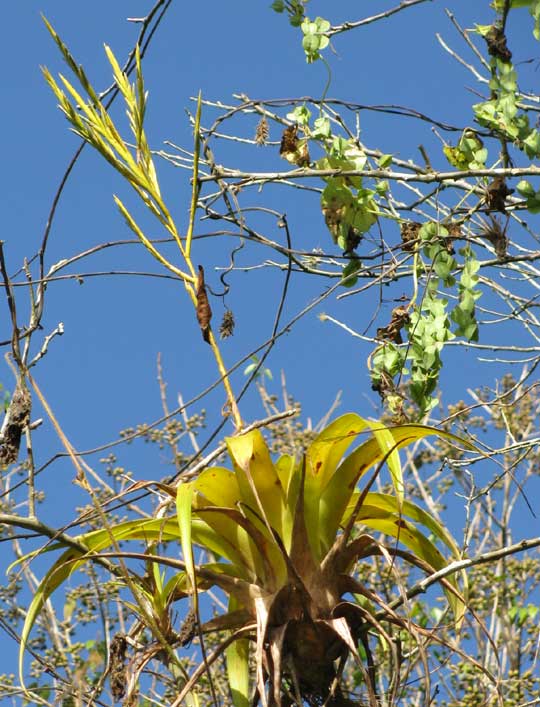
{"points": [[285, 539]]}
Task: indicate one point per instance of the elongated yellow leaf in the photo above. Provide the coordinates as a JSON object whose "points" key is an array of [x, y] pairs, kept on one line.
{"points": [[322, 458], [53, 579], [71, 559], [397, 527], [327, 449], [158, 529], [414, 512], [267, 557], [285, 466], [264, 493], [336, 495], [388, 445], [285, 469]]}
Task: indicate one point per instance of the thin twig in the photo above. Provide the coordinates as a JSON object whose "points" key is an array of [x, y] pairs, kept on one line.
{"points": [[485, 558], [346, 26]]}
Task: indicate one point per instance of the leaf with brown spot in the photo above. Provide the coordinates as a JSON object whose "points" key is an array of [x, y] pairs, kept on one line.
{"points": [[302, 154]]}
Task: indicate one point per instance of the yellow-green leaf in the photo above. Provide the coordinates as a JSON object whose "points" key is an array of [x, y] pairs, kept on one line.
{"points": [[219, 486], [322, 458], [327, 449], [336, 495], [382, 513], [184, 495], [388, 445], [237, 655], [258, 480]]}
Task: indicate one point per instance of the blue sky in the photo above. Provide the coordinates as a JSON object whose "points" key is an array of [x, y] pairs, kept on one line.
{"points": [[100, 376]]}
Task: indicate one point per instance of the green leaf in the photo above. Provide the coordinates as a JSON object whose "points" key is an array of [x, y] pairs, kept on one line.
{"points": [[321, 128], [525, 188], [353, 266], [498, 5], [533, 204], [300, 115], [384, 161], [382, 187], [482, 30], [532, 144], [314, 38]]}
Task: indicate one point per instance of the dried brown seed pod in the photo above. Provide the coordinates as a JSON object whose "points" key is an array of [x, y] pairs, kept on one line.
{"points": [[204, 313], [189, 629], [226, 328], [117, 667], [292, 149], [454, 231], [262, 131], [17, 417], [384, 385]]}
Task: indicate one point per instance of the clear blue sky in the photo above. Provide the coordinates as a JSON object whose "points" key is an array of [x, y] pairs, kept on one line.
{"points": [[100, 377]]}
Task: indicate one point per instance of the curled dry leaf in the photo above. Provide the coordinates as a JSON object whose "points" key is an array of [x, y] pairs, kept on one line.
{"points": [[494, 232], [454, 231], [409, 234], [496, 195], [496, 44], [292, 149], [392, 331]]}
